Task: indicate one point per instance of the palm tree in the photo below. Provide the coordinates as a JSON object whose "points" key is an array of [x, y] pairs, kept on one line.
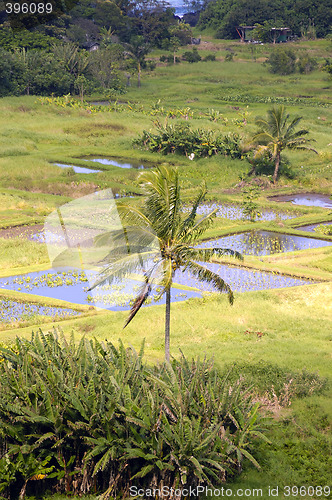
{"points": [[163, 222], [138, 49], [276, 134]]}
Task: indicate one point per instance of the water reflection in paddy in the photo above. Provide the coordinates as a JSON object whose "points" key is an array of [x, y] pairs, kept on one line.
{"points": [[307, 199], [120, 162], [235, 212], [14, 311], [72, 286], [78, 170], [311, 227], [241, 280], [265, 242]]}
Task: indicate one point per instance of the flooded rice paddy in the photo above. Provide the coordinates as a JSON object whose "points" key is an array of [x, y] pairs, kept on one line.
{"points": [[23, 232], [12, 311], [235, 212], [72, 286], [265, 243], [241, 280], [35, 233], [121, 162], [307, 199], [311, 227], [78, 170]]}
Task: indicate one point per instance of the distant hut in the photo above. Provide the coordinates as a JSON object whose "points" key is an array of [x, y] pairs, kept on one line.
{"points": [[244, 32], [92, 46], [278, 35]]}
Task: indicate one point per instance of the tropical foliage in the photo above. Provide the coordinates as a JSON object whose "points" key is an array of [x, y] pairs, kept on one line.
{"points": [[225, 16], [160, 240], [276, 133], [90, 417], [180, 138]]}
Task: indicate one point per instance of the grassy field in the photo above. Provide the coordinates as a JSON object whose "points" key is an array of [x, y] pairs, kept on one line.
{"points": [[268, 334]]}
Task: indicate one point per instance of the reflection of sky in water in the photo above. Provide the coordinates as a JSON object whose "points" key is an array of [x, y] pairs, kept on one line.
{"points": [[240, 280], [117, 163], [311, 227], [72, 285], [12, 311], [307, 199], [78, 170], [235, 212], [265, 243]]}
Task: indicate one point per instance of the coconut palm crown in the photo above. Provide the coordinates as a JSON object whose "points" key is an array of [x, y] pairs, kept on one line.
{"points": [[176, 234], [276, 133]]}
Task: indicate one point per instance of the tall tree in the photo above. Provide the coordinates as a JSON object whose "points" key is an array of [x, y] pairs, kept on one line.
{"points": [[176, 235], [137, 49], [277, 133]]}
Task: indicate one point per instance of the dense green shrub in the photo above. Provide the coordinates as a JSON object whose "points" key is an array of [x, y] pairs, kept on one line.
{"points": [[282, 61], [210, 57], [191, 56], [229, 57], [90, 417], [180, 138], [327, 66], [169, 59], [306, 64]]}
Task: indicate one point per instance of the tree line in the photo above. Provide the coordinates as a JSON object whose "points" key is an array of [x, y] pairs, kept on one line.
{"points": [[303, 17]]}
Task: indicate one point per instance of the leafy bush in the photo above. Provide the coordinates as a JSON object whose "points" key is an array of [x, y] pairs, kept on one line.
{"points": [[282, 61], [149, 65], [327, 66], [306, 64], [191, 56], [210, 57], [249, 203], [169, 59], [229, 57], [181, 139], [92, 417]]}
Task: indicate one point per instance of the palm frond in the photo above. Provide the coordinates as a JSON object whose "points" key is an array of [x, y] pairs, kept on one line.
{"points": [[139, 301], [206, 254], [121, 268], [205, 275], [199, 227], [189, 221]]}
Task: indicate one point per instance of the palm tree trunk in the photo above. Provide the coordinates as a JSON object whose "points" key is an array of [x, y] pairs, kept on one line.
{"points": [[276, 168], [23, 490], [167, 323], [139, 74]]}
